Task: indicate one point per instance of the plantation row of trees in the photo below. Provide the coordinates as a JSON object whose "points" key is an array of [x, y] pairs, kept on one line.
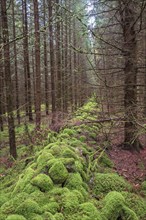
{"points": [[39, 63], [57, 52]]}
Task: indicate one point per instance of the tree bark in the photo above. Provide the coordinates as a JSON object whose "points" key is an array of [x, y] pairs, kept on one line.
{"points": [[131, 141], [26, 63], [8, 82], [37, 65], [52, 59], [15, 65]]}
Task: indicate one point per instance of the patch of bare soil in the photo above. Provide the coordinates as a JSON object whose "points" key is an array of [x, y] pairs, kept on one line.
{"points": [[131, 165]]}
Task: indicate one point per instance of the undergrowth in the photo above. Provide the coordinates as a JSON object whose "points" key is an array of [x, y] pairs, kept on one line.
{"points": [[69, 177]]}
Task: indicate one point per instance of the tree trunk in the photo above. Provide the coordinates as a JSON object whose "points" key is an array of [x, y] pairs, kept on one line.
{"points": [[131, 141], [26, 63], [52, 60], [37, 65], [8, 82], [16, 66], [46, 64]]}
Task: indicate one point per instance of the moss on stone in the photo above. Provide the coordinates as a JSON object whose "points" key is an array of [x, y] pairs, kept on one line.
{"points": [[15, 217], [115, 207], [59, 216], [51, 207], [43, 182], [69, 202], [58, 172], [105, 161], [10, 206], [69, 153], [56, 150], [43, 158], [24, 179], [48, 216], [69, 131], [104, 183], [89, 211], [82, 138], [28, 207], [136, 203], [74, 181], [3, 199]]}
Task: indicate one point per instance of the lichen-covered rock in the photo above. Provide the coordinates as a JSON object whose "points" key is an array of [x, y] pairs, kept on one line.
{"points": [[58, 172], [104, 183], [43, 182], [15, 217]]}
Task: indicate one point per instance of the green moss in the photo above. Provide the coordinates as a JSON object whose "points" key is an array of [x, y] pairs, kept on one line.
{"points": [[29, 188], [15, 217], [56, 150], [69, 153], [51, 207], [89, 211], [28, 207], [136, 203], [3, 199], [115, 207], [43, 182], [48, 216], [74, 181], [128, 214], [58, 172], [43, 158], [82, 138], [114, 202], [35, 217], [24, 179], [143, 187], [59, 216], [105, 161], [69, 202], [69, 131], [10, 206], [104, 183]]}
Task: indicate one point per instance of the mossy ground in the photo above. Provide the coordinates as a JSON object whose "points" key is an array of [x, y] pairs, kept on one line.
{"points": [[70, 178]]}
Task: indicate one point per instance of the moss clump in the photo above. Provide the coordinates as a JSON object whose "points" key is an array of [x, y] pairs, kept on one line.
{"points": [[89, 211], [28, 207], [143, 187], [48, 216], [3, 199], [43, 158], [59, 216], [43, 182], [74, 181], [58, 172], [15, 217], [35, 217], [104, 183], [69, 202], [51, 207], [82, 138], [10, 206], [24, 179], [68, 131], [136, 203], [105, 161], [69, 153], [56, 150], [114, 208]]}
